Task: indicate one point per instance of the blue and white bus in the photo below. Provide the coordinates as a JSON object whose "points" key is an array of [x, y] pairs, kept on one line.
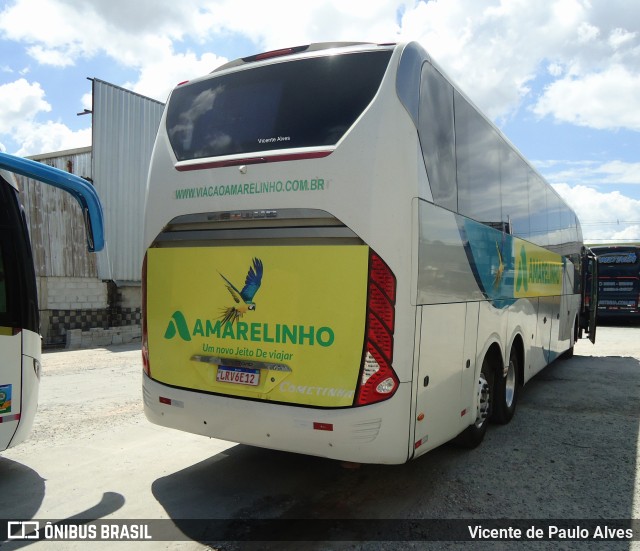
{"points": [[345, 258], [20, 341]]}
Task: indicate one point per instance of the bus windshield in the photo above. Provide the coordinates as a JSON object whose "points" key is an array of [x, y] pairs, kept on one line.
{"points": [[267, 108]]}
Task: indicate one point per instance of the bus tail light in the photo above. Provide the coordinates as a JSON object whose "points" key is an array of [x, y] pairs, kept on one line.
{"points": [[378, 380], [145, 338]]}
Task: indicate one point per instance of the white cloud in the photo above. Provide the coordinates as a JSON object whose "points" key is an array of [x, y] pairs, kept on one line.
{"points": [[605, 100], [555, 69], [620, 37], [630, 233], [146, 31], [87, 101], [129, 32], [589, 50], [492, 48], [600, 87], [158, 79], [54, 57], [281, 23], [603, 216], [587, 33], [50, 136], [618, 172], [590, 172], [21, 101], [49, 24]]}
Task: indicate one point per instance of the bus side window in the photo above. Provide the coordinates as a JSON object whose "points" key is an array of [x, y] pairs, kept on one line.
{"points": [[478, 162], [538, 210], [514, 192], [437, 138], [554, 221], [3, 286], [18, 294], [9, 282]]}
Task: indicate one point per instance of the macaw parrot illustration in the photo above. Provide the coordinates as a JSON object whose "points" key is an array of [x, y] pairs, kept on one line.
{"points": [[244, 298]]}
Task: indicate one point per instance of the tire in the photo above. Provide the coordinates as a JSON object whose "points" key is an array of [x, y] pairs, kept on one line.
{"points": [[474, 434], [506, 391]]}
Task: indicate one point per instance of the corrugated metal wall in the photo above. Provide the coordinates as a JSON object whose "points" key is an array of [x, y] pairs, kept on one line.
{"points": [[55, 221], [124, 130]]}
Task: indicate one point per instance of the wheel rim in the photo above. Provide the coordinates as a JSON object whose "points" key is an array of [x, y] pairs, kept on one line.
{"points": [[484, 401], [510, 384]]}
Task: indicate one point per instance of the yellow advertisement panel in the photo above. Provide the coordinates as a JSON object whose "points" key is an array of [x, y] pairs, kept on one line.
{"points": [[279, 323], [538, 272]]}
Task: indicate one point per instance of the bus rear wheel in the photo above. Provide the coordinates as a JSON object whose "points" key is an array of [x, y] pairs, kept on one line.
{"points": [[506, 391], [474, 434]]}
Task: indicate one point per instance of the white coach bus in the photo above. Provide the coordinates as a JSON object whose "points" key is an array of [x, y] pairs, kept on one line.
{"points": [[20, 341], [345, 258]]}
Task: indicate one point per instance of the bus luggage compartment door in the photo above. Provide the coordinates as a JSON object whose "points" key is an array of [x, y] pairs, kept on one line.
{"points": [[446, 376]]}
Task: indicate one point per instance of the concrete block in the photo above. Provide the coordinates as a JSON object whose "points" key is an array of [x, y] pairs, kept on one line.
{"points": [[74, 338]]}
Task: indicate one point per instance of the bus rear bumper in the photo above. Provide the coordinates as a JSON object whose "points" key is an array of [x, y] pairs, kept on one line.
{"points": [[378, 433]]}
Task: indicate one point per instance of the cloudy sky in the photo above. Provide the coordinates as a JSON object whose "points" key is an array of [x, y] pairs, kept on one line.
{"points": [[561, 78]]}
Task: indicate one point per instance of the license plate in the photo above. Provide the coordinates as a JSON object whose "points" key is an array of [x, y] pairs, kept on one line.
{"points": [[238, 375]]}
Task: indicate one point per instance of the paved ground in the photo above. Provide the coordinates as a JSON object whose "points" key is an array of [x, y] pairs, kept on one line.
{"points": [[571, 452]]}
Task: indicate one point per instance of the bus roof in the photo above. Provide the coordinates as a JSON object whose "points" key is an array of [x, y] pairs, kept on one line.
{"points": [[307, 48]]}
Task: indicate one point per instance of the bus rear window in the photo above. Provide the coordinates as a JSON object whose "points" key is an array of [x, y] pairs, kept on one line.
{"points": [[304, 103]]}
